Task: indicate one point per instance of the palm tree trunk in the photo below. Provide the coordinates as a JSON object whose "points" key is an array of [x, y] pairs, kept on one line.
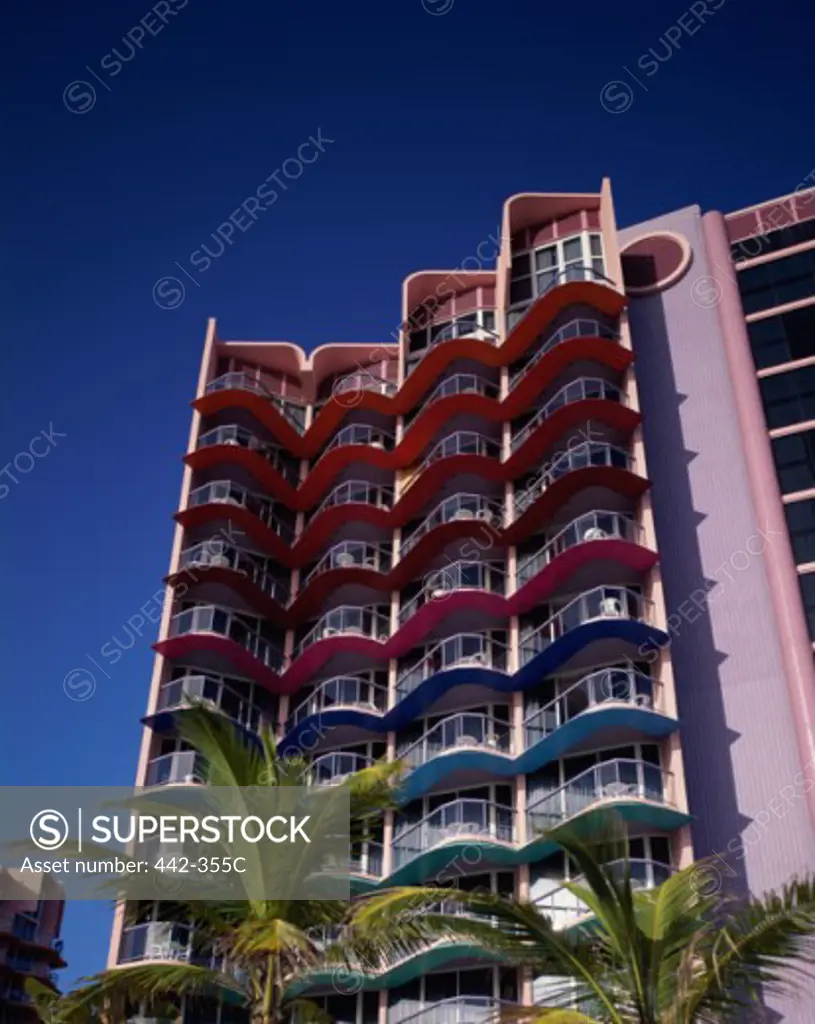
{"points": [[268, 1013]]}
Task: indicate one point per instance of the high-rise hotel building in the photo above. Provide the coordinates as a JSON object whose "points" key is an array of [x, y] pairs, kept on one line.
{"points": [[536, 551]]}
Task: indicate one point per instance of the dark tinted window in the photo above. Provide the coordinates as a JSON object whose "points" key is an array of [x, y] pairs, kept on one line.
{"points": [[789, 397], [778, 339], [807, 581], [783, 280], [795, 461], [801, 522], [774, 241]]}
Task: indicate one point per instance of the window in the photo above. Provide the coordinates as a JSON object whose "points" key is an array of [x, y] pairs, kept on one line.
{"points": [[789, 397], [795, 461], [801, 524], [807, 584], [533, 272], [783, 280], [779, 339], [479, 323], [773, 241]]}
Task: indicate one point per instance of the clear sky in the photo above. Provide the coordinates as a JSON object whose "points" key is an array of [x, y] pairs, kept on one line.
{"points": [[436, 113]]}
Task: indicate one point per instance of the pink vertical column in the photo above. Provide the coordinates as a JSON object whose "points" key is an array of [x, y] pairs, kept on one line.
{"points": [[796, 645]]}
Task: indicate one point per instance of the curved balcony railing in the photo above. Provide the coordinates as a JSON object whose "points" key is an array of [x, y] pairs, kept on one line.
{"points": [[575, 391], [351, 554], [460, 1010], [576, 272], [466, 730], [360, 434], [226, 492], [460, 818], [357, 492], [581, 456], [564, 908], [294, 412], [461, 575], [455, 508], [458, 384], [216, 554], [348, 620], [578, 328], [182, 766], [464, 328], [329, 769], [607, 685], [620, 779], [215, 693], [363, 381], [242, 629], [368, 859], [464, 650], [461, 442], [344, 691], [163, 940], [598, 525], [236, 436], [599, 603]]}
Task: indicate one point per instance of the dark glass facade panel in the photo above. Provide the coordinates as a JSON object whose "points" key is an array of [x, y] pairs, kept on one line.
{"points": [[807, 582], [780, 339], [773, 284], [789, 397], [795, 461], [774, 241], [801, 523]]}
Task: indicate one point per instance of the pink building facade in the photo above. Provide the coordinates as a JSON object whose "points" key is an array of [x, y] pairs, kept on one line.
{"points": [[495, 550]]}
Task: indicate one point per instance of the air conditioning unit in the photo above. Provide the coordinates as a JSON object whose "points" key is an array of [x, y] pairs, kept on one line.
{"points": [[611, 608], [595, 533]]}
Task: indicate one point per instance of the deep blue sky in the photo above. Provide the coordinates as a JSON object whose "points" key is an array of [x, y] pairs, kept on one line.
{"points": [[435, 120]]}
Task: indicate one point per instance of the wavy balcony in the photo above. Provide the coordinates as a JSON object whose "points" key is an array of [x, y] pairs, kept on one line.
{"points": [[468, 658], [588, 464], [574, 286], [602, 701], [178, 768], [580, 401], [366, 630], [232, 635], [215, 692], [166, 941], [565, 910], [640, 792]]}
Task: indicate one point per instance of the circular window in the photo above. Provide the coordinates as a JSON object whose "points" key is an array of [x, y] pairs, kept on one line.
{"points": [[654, 262]]}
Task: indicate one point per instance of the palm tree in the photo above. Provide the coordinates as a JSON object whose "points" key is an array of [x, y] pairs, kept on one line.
{"points": [[247, 950], [676, 954]]}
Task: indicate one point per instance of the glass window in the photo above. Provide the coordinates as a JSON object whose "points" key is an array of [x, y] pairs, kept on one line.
{"points": [[801, 523], [773, 241], [795, 461], [807, 584], [773, 284], [779, 339], [789, 397]]}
